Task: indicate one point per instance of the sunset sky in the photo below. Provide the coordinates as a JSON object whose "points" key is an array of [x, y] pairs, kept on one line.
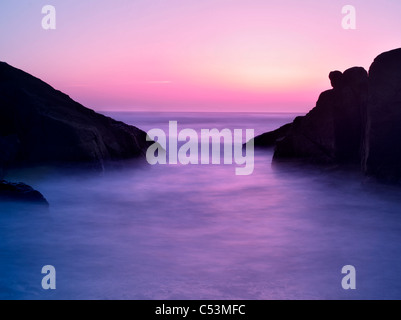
{"points": [[195, 55]]}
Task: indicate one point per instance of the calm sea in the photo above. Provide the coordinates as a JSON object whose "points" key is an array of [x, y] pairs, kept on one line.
{"points": [[202, 232]]}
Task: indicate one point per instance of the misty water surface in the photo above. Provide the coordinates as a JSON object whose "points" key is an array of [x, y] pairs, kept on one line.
{"points": [[201, 232]]}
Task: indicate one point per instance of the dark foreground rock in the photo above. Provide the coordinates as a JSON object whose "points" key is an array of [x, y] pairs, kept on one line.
{"points": [[357, 122], [382, 156], [269, 139], [20, 192], [332, 131], [41, 125]]}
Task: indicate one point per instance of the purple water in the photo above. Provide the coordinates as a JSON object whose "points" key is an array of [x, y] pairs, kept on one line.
{"points": [[201, 232]]}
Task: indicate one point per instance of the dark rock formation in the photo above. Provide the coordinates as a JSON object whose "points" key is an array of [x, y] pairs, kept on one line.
{"points": [[332, 131], [20, 192], [269, 139], [336, 79], [355, 123], [40, 125], [382, 155]]}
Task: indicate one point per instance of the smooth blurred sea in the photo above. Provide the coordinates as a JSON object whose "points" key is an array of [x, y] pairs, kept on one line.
{"points": [[201, 232]]}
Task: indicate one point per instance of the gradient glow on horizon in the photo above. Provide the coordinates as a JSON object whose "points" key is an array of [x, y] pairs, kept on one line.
{"points": [[195, 55]]}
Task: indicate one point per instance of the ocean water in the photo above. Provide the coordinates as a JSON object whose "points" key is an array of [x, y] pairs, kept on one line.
{"points": [[202, 232]]}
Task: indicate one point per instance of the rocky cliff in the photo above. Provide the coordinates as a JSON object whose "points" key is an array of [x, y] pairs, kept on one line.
{"points": [[382, 151], [41, 125], [356, 122]]}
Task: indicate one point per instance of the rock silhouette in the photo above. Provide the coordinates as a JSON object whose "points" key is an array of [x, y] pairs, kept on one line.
{"points": [[332, 131], [20, 192], [41, 125], [269, 139], [382, 155], [356, 122]]}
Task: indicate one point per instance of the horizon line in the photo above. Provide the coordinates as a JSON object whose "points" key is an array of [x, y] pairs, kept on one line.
{"points": [[200, 111]]}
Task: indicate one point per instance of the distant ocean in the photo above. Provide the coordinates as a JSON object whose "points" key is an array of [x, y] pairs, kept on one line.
{"points": [[201, 232]]}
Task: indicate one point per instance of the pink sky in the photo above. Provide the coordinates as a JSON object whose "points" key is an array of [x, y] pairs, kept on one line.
{"points": [[195, 55]]}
